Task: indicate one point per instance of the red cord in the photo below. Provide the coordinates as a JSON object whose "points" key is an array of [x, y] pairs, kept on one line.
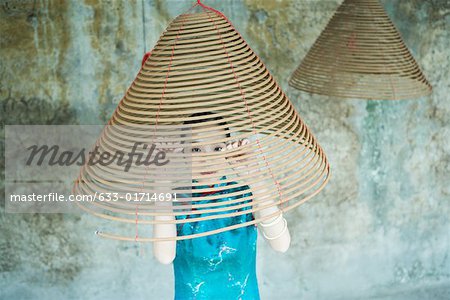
{"points": [[214, 10], [241, 90], [146, 55]]}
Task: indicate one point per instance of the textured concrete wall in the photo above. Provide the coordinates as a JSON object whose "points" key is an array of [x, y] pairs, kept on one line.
{"points": [[380, 230]]}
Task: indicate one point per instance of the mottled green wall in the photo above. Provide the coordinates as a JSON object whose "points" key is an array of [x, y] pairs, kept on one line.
{"points": [[380, 229]]}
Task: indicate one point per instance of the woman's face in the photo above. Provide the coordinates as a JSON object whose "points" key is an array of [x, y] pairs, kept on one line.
{"points": [[210, 171]]}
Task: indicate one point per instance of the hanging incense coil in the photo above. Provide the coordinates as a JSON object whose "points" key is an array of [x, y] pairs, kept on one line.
{"points": [[201, 64], [360, 54]]}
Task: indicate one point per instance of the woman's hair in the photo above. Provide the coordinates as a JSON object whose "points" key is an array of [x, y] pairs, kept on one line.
{"points": [[207, 113]]}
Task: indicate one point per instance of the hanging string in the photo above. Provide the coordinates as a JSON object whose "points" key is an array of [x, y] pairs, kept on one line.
{"points": [[242, 92], [143, 27]]}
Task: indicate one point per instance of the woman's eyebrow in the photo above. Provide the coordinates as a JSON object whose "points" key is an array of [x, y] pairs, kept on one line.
{"points": [[215, 144], [219, 143]]}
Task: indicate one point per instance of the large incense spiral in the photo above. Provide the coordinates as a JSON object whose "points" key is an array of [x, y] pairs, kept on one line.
{"points": [[202, 64]]}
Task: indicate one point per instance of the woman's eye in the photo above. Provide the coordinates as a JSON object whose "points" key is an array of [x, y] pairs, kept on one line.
{"points": [[196, 150], [218, 148]]}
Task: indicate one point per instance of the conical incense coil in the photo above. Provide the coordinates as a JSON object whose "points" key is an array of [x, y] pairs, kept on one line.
{"points": [[360, 54], [201, 64]]}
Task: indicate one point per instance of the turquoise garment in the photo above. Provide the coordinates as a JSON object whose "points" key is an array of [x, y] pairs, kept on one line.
{"points": [[218, 266]]}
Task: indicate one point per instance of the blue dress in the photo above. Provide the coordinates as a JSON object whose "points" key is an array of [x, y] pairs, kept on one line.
{"points": [[218, 266]]}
